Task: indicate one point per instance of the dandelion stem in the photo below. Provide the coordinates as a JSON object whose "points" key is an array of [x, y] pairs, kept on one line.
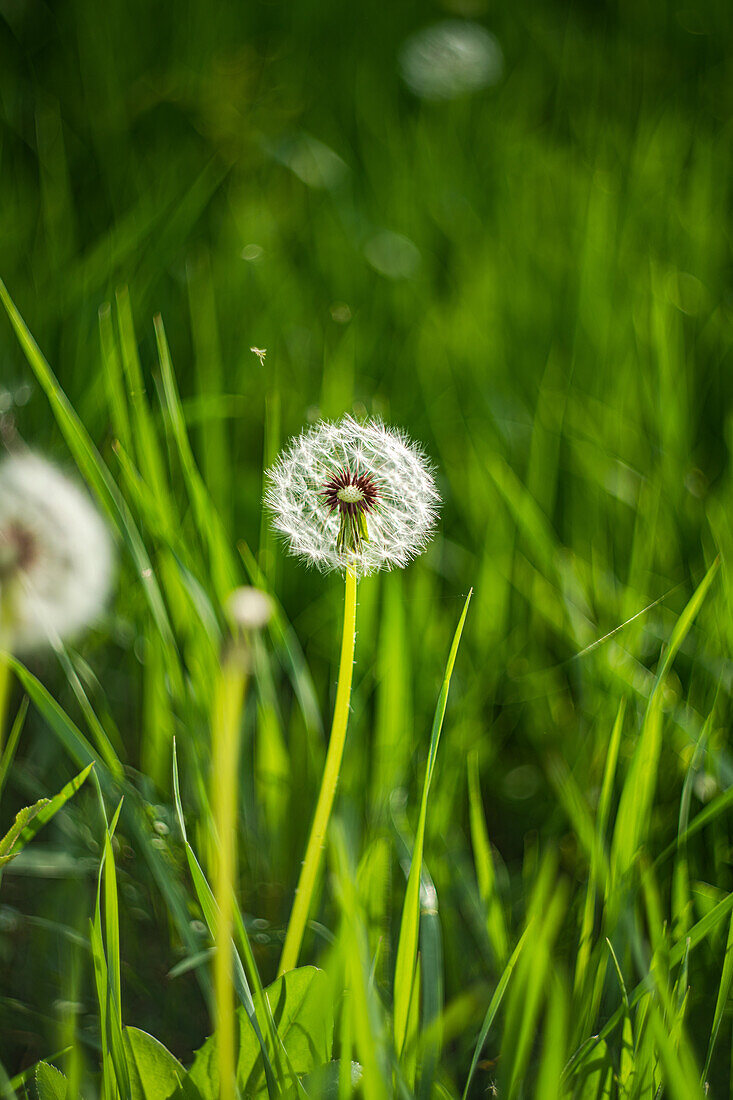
{"points": [[4, 696], [314, 851], [227, 716]]}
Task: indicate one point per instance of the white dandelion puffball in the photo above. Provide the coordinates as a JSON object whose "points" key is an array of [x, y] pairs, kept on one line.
{"points": [[249, 608], [353, 496], [450, 59], [56, 557]]}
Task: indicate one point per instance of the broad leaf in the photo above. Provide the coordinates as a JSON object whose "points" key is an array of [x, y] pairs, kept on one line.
{"points": [[50, 1084], [154, 1072], [304, 1020]]}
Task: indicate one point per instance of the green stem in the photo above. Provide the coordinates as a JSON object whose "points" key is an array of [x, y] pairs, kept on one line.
{"points": [[4, 696], [314, 851], [227, 717]]}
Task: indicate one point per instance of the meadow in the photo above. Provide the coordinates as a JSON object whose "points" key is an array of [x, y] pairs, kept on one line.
{"points": [[217, 228]]}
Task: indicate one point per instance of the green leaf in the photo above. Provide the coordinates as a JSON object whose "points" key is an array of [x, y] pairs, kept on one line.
{"points": [[49, 807], [323, 1082], [154, 1072], [22, 818], [50, 1084], [303, 1017], [596, 1080]]}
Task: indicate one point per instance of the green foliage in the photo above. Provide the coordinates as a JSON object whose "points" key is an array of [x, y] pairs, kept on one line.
{"points": [[9, 844], [154, 1073], [303, 1017], [556, 918], [50, 1083]]}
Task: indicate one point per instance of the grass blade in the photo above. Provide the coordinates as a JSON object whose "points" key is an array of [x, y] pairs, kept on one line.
{"points": [[410, 923]]}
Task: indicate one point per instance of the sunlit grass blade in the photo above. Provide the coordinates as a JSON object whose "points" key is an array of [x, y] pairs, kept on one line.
{"points": [[632, 822], [112, 364], [432, 1001], [394, 711], [597, 847], [8, 752], [365, 1024], [410, 923], [549, 1074], [73, 740], [494, 1006], [145, 440], [697, 934], [115, 1077], [726, 979], [484, 862], [212, 532], [680, 1072], [529, 989], [214, 449]]}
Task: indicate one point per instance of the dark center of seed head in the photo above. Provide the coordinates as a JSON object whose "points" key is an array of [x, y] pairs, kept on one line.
{"points": [[17, 550], [353, 495]]}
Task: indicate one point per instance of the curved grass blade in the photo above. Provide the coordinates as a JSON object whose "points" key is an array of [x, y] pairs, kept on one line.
{"points": [[409, 926], [494, 1005]]}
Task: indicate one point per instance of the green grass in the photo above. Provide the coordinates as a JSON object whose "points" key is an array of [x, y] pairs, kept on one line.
{"points": [[562, 351]]}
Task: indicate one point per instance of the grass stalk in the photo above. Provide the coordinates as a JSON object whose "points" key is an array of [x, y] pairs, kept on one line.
{"points": [[228, 705], [316, 840], [4, 695], [6, 633]]}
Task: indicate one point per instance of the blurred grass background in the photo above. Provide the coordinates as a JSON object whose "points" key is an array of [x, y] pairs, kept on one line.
{"points": [[534, 280]]}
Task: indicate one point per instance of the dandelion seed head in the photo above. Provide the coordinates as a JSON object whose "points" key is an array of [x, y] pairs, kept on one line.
{"points": [[249, 608], [450, 59], [56, 559], [373, 475]]}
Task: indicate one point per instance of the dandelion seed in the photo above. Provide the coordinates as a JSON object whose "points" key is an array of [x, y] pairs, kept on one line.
{"points": [[260, 353], [56, 560], [350, 496]]}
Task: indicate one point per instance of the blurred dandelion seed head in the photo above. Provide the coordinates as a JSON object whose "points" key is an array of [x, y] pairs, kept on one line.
{"points": [[386, 471], [56, 558], [249, 608], [450, 59]]}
